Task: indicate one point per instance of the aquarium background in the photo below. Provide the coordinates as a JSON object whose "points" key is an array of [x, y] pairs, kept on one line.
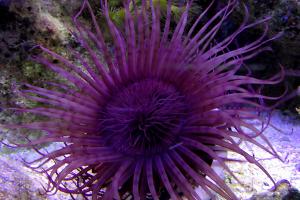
{"points": [[25, 23]]}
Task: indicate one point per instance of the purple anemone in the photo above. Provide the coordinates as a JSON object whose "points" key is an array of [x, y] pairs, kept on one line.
{"points": [[145, 116]]}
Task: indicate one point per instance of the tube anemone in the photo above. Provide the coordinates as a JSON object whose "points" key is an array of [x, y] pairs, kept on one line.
{"points": [[149, 116]]}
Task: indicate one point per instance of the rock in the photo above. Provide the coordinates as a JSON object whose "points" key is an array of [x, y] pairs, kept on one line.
{"points": [[5, 3], [16, 182], [284, 192], [20, 183], [281, 190], [293, 194]]}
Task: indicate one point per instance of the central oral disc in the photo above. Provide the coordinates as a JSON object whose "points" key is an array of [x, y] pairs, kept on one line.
{"points": [[143, 118]]}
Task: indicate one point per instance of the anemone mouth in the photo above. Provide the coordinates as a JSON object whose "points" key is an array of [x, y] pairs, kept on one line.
{"points": [[144, 118]]}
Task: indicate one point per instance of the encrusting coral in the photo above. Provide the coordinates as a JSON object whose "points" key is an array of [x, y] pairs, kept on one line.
{"points": [[148, 116]]}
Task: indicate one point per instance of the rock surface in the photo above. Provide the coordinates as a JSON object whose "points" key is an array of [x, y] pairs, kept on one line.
{"points": [[21, 183], [17, 182]]}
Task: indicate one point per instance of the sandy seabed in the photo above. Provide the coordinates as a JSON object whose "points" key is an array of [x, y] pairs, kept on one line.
{"points": [[18, 182]]}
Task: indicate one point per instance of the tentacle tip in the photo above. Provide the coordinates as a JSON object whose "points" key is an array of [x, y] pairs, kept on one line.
{"points": [[280, 34], [267, 18], [37, 46], [75, 17]]}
